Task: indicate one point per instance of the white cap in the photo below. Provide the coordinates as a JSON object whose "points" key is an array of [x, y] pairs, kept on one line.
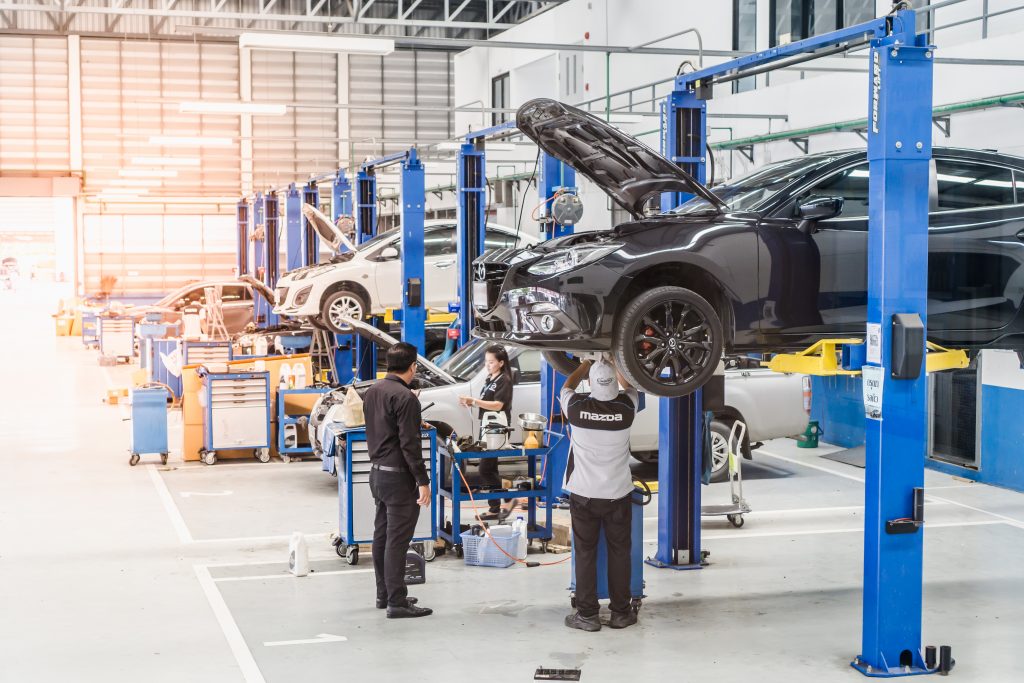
{"points": [[604, 386]]}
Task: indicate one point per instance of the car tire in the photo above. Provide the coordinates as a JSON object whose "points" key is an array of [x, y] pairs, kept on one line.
{"points": [[340, 302], [692, 343], [562, 362], [720, 450]]}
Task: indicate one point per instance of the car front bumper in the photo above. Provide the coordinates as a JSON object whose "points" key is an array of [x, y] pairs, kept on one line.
{"points": [[296, 299]]}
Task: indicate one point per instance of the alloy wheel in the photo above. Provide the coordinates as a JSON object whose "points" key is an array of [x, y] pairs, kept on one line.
{"points": [[673, 343], [719, 452], [345, 307]]}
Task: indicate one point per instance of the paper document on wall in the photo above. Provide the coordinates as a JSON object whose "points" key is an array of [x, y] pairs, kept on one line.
{"points": [[874, 340], [873, 376]]}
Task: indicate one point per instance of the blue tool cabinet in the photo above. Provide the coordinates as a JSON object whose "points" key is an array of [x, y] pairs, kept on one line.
{"points": [[90, 329], [149, 423], [117, 337], [237, 414], [356, 506], [284, 419]]}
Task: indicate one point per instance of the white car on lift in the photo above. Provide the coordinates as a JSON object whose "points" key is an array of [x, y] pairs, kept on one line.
{"points": [[367, 279], [771, 404]]}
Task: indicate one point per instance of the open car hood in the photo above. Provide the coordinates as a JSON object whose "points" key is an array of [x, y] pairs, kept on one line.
{"points": [[326, 228], [258, 286], [385, 341], [628, 170]]}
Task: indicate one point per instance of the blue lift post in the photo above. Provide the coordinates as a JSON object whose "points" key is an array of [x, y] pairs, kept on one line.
{"points": [[294, 229], [366, 228], [341, 205], [242, 223], [899, 152], [471, 212], [553, 176], [310, 241], [271, 254], [259, 247], [414, 199]]}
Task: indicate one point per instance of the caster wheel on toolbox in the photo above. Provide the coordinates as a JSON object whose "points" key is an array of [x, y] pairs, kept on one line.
{"points": [[340, 549], [635, 605], [134, 460], [428, 551], [163, 458], [459, 552], [352, 554], [262, 454], [209, 457], [735, 520], [285, 458], [572, 601]]}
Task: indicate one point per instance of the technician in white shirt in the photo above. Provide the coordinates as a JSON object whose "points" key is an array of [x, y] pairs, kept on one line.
{"points": [[600, 483]]}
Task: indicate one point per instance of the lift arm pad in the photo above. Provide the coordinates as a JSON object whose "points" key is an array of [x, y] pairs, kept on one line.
{"points": [[907, 345]]}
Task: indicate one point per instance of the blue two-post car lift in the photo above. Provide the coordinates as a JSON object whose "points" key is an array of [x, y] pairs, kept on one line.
{"points": [[899, 99]]}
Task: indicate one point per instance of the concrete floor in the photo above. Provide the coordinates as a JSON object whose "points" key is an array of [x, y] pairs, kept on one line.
{"points": [[111, 573]]}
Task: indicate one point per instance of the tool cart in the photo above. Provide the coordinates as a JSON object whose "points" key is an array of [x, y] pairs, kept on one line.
{"points": [[236, 414]]}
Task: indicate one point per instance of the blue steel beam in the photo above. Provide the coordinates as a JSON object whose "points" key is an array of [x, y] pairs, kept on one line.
{"points": [[471, 194], [899, 154], [491, 132], [310, 241], [412, 248], [293, 229]]}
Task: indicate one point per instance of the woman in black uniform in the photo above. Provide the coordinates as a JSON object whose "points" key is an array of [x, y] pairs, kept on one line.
{"points": [[495, 397]]}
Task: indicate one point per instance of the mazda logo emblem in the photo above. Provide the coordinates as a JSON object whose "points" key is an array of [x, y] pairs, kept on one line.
{"points": [[481, 271]]}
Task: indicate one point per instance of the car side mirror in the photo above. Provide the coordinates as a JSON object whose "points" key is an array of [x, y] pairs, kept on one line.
{"points": [[815, 209], [388, 254]]}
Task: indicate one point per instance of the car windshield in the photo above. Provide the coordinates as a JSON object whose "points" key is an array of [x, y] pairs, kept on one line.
{"points": [[373, 242], [750, 191], [467, 361]]}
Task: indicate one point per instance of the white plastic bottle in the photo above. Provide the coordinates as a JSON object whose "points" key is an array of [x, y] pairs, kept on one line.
{"points": [[299, 376], [520, 526], [285, 374], [259, 347], [298, 555]]}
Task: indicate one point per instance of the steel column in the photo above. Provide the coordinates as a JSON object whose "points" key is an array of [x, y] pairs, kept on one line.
{"points": [[242, 222], [259, 249], [899, 153], [471, 193], [341, 205], [271, 251], [293, 229], [413, 196], [366, 228], [310, 241]]}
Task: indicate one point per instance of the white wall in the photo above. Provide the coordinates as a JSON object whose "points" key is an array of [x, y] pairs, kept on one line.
{"points": [[808, 98]]}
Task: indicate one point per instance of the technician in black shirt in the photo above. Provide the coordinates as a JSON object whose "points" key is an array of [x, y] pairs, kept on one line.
{"points": [[398, 478], [495, 397]]}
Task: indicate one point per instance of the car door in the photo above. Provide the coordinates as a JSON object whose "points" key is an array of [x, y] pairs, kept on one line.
{"points": [[237, 305], [439, 260], [975, 259], [816, 284]]}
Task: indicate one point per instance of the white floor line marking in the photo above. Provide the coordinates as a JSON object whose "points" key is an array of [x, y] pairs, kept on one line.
{"points": [[807, 511], [287, 575], [812, 466], [928, 497], [189, 494], [1009, 520], [952, 486], [821, 532], [320, 638], [255, 539], [246, 662], [177, 521]]}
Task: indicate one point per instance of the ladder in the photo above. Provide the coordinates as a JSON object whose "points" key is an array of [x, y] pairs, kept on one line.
{"points": [[321, 353]]}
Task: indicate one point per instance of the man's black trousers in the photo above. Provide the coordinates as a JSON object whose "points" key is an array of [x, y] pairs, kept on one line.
{"points": [[397, 513], [589, 517]]}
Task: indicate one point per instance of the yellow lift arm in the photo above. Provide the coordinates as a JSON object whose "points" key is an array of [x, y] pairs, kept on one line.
{"points": [[824, 359]]}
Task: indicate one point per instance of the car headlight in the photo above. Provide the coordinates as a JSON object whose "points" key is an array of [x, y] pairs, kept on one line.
{"points": [[570, 258], [303, 295]]}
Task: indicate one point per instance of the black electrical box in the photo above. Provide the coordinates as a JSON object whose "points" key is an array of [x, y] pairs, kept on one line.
{"points": [[414, 291], [907, 346]]}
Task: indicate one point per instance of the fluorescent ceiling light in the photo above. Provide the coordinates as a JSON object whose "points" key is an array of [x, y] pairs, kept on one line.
{"points": [[147, 173], [165, 161], [174, 141], [131, 182], [308, 43], [203, 107]]}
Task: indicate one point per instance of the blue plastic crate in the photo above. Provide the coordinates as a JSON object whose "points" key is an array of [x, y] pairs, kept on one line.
{"points": [[483, 551]]}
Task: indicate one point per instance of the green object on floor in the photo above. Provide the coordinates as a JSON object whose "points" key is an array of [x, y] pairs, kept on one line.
{"points": [[809, 439]]}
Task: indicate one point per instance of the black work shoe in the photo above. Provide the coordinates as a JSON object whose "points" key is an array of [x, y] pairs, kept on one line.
{"points": [[491, 515], [410, 612], [577, 620], [622, 619], [383, 602]]}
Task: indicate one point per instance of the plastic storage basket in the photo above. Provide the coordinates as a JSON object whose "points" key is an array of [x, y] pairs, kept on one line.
{"points": [[481, 551]]}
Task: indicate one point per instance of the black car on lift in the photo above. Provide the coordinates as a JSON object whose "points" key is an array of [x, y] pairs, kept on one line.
{"points": [[770, 262]]}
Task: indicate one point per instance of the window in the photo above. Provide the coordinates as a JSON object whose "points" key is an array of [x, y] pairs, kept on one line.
{"points": [[963, 185], [744, 36], [527, 362], [234, 293], [196, 296], [852, 185], [793, 20], [858, 11], [439, 241], [499, 240], [500, 99]]}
